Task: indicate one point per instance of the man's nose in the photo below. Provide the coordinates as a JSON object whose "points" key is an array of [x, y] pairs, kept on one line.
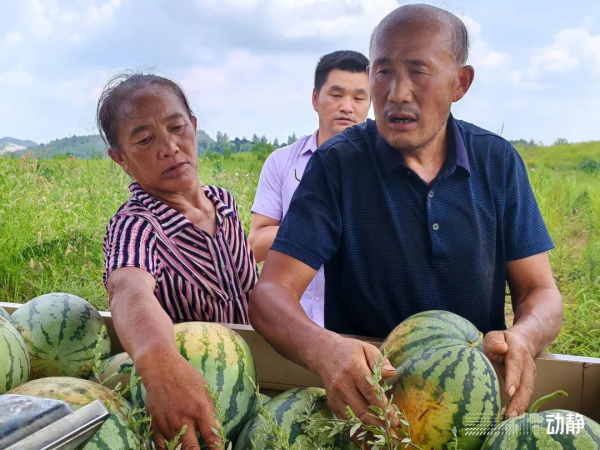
{"points": [[401, 89], [346, 106]]}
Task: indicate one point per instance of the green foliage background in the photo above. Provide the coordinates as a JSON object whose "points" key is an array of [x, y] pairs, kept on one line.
{"points": [[53, 215]]}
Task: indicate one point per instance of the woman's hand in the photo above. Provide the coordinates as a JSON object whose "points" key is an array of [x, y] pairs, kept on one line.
{"points": [[176, 396]]}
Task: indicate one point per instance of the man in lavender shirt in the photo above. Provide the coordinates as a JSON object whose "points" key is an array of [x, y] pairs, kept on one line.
{"points": [[341, 99]]}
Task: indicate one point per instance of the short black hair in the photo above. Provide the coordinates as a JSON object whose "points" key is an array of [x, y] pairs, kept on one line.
{"points": [[347, 60], [459, 35], [120, 89]]}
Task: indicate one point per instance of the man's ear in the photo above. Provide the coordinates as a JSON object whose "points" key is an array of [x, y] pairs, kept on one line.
{"points": [[195, 123], [466, 74], [315, 97]]}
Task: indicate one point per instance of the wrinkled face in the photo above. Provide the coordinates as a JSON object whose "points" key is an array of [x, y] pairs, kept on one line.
{"points": [[157, 142], [343, 101], [414, 80]]}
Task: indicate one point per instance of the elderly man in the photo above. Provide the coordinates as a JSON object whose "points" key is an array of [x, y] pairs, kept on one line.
{"points": [[414, 211]]}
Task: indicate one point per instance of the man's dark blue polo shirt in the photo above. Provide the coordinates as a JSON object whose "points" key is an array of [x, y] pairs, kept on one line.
{"points": [[394, 246]]}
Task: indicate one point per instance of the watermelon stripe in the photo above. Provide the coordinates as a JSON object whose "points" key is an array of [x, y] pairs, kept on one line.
{"points": [[8, 382]]}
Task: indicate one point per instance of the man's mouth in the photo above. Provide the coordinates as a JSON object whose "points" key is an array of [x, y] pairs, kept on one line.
{"points": [[404, 118], [402, 121]]}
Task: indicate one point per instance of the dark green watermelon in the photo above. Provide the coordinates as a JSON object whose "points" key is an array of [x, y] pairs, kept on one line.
{"points": [[553, 429], [427, 329], [225, 361], [286, 409], [14, 359], [61, 332], [445, 386]]}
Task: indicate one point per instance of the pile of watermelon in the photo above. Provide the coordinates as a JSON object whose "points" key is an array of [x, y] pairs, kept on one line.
{"points": [[49, 345], [444, 384]]}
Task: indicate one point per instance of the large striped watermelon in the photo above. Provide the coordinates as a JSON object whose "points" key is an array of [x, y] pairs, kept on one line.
{"points": [[61, 332], [554, 429], [114, 433], [427, 329], [118, 370], [75, 391], [14, 360], [225, 361], [4, 313], [445, 386], [286, 409]]}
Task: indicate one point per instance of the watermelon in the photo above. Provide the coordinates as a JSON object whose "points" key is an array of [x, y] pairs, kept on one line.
{"points": [[225, 361], [118, 370], [74, 391], [542, 430], [4, 313], [61, 332], [114, 433], [445, 386], [286, 409], [14, 359], [427, 329]]}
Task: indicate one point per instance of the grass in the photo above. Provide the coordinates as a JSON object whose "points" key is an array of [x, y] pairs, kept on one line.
{"points": [[53, 215]]}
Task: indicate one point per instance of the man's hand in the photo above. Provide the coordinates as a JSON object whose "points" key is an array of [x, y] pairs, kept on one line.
{"points": [[176, 396], [344, 367], [512, 352]]}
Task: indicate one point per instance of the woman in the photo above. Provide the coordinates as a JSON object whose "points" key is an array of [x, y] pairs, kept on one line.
{"points": [[176, 251]]}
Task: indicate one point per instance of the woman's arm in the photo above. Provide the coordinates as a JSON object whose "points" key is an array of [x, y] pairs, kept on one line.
{"points": [[174, 388]]}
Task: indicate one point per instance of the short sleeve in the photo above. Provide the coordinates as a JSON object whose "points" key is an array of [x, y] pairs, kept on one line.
{"points": [[312, 227], [129, 242], [268, 200], [524, 228]]}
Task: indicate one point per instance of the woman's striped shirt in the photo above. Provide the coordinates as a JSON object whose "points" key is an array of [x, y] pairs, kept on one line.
{"points": [[204, 278]]}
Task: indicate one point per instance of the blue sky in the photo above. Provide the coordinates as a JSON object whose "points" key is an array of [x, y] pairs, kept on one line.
{"points": [[248, 65]]}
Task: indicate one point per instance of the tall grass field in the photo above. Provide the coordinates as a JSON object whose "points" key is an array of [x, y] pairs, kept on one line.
{"points": [[53, 215]]}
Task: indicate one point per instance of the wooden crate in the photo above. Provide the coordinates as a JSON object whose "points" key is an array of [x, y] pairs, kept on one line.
{"points": [[578, 376]]}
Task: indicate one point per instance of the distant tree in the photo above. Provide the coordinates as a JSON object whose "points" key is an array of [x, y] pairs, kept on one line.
{"points": [[292, 138], [561, 141], [264, 139], [262, 150], [255, 139], [276, 143]]}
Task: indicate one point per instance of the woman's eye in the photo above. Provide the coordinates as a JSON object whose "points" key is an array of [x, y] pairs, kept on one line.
{"points": [[145, 141], [384, 71], [178, 128]]}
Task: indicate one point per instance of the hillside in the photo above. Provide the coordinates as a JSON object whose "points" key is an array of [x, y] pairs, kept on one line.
{"points": [[17, 142], [91, 146]]}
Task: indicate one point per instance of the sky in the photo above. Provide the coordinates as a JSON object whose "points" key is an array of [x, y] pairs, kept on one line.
{"points": [[248, 65]]}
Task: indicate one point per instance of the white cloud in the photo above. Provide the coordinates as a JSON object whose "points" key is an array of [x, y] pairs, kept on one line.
{"points": [[102, 14], [481, 56], [573, 48], [16, 77], [38, 20], [11, 40]]}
